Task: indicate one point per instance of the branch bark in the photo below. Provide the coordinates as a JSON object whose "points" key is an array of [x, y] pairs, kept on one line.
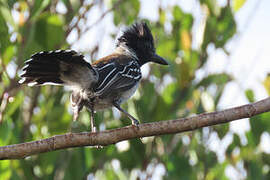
{"points": [[108, 137]]}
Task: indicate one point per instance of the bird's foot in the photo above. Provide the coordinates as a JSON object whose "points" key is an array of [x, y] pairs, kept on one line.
{"points": [[135, 122], [93, 129]]}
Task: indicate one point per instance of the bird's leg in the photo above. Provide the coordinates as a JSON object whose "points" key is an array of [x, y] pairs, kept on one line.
{"points": [[76, 110], [134, 121], [76, 104], [93, 128], [91, 107], [75, 113]]}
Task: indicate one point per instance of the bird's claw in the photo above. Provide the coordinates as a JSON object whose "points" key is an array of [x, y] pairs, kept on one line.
{"points": [[94, 129], [135, 122]]}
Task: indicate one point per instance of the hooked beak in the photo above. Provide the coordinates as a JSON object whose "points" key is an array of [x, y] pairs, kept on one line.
{"points": [[157, 59]]}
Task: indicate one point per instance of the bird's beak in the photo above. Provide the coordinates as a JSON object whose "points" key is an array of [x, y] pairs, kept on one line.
{"points": [[157, 59]]}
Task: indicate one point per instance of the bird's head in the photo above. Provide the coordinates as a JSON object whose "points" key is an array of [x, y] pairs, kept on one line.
{"points": [[138, 39]]}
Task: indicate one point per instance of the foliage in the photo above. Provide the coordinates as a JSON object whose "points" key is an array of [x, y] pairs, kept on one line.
{"points": [[33, 113]]}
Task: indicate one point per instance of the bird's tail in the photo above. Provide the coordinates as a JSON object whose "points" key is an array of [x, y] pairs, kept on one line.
{"points": [[60, 67]]}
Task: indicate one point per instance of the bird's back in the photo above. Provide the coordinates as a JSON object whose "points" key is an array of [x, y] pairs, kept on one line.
{"points": [[118, 77]]}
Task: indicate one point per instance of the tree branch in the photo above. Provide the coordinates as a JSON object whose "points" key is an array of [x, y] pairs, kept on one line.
{"points": [[108, 137]]}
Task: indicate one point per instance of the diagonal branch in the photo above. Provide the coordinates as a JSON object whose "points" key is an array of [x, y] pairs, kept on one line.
{"points": [[109, 137]]}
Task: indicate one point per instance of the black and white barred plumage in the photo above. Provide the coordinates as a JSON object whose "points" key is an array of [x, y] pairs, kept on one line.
{"points": [[107, 82], [60, 67]]}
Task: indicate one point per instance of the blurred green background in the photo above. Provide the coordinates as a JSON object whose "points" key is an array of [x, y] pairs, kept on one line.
{"points": [[183, 89]]}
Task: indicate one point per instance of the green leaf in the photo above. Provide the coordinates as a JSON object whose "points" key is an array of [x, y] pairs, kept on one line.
{"points": [[254, 170], [5, 79], [13, 106], [250, 95], [8, 54], [177, 162], [167, 46], [177, 13], [127, 12], [237, 4], [66, 2], [6, 14], [11, 2], [169, 92], [266, 84], [217, 172], [6, 130], [219, 29], [4, 35], [148, 99], [235, 143], [213, 6], [49, 31], [5, 170], [39, 6], [218, 79], [222, 130], [252, 141], [259, 124]]}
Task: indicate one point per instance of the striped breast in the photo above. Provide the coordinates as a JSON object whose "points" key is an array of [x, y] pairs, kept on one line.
{"points": [[117, 75]]}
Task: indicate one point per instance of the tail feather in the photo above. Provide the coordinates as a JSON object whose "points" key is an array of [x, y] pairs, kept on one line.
{"points": [[60, 67], [48, 80], [43, 67], [36, 74], [37, 63], [48, 69]]}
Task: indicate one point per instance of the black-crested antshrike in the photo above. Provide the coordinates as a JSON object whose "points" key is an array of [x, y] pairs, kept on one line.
{"points": [[107, 82]]}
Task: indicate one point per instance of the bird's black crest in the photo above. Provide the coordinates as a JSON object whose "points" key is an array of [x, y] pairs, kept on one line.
{"points": [[138, 31], [138, 37]]}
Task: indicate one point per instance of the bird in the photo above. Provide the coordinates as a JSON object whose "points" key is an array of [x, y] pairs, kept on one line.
{"points": [[107, 82]]}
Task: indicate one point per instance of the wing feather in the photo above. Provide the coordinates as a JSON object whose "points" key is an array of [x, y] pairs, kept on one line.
{"points": [[121, 77]]}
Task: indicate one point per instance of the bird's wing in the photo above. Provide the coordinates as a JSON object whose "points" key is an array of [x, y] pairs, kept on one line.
{"points": [[117, 77], [60, 67]]}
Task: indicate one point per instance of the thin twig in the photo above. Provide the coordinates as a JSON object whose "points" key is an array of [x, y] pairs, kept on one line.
{"points": [[103, 15], [3, 105], [79, 17], [109, 137], [9, 91], [28, 110]]}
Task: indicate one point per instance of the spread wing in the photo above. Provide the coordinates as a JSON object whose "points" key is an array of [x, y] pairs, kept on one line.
{"points": [[117, 77], [60, 67]]}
